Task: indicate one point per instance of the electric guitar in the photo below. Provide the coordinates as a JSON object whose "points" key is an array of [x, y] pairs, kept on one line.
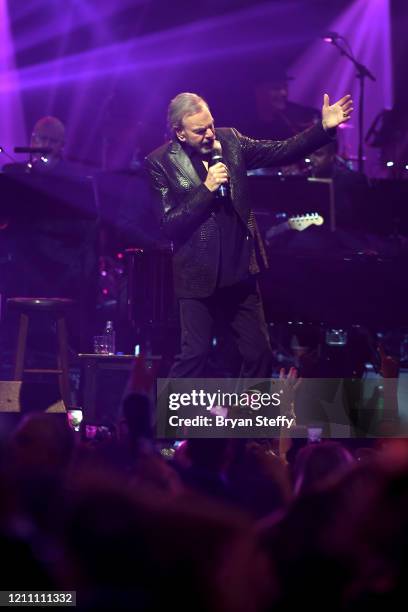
{"points": [[298, 223]]}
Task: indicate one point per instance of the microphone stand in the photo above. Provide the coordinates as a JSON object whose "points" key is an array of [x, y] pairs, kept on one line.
{"points": [[362, 73]]}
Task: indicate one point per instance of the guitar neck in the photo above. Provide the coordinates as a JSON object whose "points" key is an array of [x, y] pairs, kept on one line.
{"points": [[298, 224]]}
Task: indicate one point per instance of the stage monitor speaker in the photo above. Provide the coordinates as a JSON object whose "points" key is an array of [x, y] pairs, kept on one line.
{"points": [[25, 397]]}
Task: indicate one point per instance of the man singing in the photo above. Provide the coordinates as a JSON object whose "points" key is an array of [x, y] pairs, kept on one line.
{"points": [[217, 246]]}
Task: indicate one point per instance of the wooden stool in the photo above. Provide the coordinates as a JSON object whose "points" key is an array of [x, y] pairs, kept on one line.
{"points": [[57, 308]]}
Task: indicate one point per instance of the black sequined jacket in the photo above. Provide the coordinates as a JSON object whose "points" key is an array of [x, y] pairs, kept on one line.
{"points": [[186, 207]]}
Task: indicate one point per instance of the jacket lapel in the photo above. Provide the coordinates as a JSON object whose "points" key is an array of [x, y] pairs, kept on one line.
{"points": [[229, 162], [226, 150], [183, 163]]}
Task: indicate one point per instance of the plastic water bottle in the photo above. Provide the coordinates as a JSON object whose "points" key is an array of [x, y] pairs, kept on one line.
{"points": [[110, 337]]}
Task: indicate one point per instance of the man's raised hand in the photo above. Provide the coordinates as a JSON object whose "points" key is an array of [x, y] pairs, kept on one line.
{"points": [[337, 113]]}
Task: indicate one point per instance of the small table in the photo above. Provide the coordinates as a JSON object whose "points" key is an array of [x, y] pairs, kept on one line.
{"points": [[93, 364]]}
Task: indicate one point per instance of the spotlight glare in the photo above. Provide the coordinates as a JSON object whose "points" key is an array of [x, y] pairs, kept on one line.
{"points": [[389, 164]]}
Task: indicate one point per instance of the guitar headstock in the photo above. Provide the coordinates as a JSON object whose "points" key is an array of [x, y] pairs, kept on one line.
{"points": [[302, 222]]}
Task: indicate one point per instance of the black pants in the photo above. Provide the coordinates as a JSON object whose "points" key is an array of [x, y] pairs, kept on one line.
{"points": [[238, 307]]}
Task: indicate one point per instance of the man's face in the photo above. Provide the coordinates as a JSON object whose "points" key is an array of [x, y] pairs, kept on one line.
{"points": [[48, 136], [198, 131]]}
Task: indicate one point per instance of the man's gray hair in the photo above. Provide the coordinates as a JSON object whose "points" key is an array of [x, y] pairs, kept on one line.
{"points": [[181, 106]]}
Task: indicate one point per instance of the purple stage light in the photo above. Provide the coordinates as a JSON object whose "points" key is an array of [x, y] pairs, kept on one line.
{"points": [[60, 23], [12, 130], [241, 33], [98, 54], [366, 27]]}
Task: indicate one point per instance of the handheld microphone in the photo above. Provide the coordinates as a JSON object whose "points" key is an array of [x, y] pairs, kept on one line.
{"points": [[216, 156]]}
